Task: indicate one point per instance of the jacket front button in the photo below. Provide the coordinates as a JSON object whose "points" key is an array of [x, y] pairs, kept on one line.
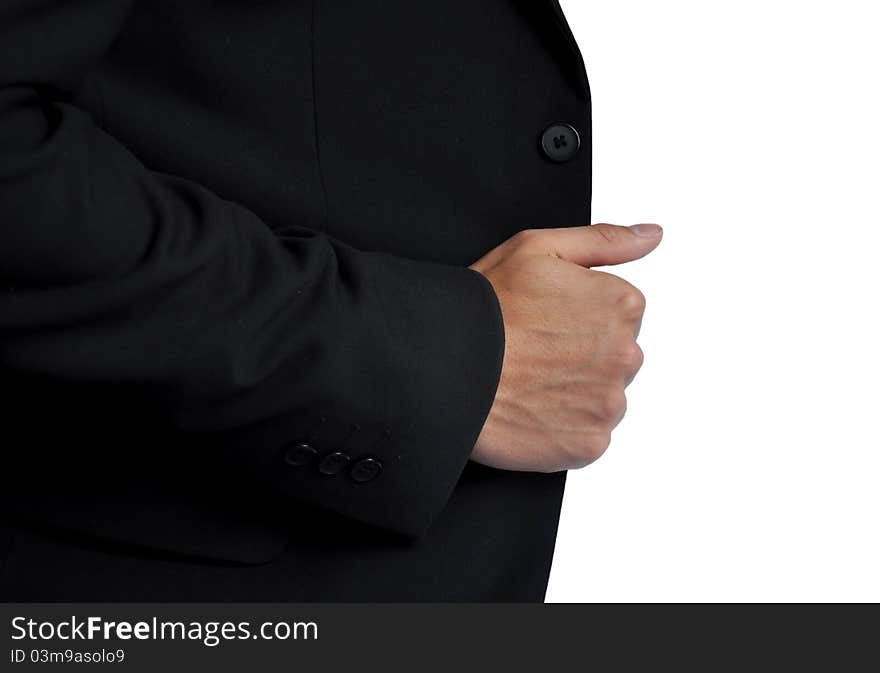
{"points": [[560, 142], [333, 463], [299, 454], [365, 470]]}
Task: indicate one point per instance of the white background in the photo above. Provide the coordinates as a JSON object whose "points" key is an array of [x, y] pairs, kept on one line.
{"points": [[747, 467]]}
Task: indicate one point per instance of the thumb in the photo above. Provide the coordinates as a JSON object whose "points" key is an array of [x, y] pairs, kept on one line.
{"points": [[604, 244]]}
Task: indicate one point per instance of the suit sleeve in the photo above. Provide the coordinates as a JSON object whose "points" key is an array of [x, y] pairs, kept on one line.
{"points": [[114, 273]]}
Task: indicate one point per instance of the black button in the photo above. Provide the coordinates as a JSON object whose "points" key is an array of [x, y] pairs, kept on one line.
{"points": [[365, 470], [560, 142], [297, 455], [333, 463]]}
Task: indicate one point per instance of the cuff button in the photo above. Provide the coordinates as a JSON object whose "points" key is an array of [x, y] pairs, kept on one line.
{"points": [[365, 470], [299, 454], [333, 463]]}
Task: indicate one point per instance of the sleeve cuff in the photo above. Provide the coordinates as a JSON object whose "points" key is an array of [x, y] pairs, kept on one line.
{"points": [[410, 375]]}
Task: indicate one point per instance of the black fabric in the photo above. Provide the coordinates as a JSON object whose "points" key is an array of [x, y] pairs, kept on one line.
{"points": [[232, 227], [476, 550]]}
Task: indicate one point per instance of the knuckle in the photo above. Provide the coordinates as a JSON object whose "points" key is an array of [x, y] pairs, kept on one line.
{"points": [[631, 356], [591, 448], [632, 301], [529, 237], [606, 231], [612, 406]]}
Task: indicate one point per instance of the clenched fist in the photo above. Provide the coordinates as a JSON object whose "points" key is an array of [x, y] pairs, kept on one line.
{"points": [[570, 344]]}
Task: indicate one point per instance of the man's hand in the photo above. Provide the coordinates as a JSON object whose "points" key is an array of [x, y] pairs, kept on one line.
{"points": [[570, 344]]}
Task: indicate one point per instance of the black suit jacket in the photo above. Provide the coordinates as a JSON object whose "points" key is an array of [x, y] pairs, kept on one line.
{"points": [[235, 312]]}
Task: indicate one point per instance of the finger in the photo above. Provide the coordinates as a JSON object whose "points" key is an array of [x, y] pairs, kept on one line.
{"points": [[604, 244]]}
